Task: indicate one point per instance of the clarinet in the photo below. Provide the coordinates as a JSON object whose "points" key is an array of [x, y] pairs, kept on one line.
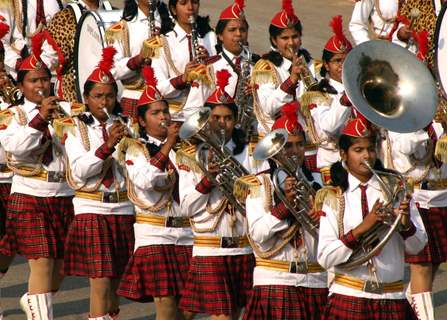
{"points": [[194, 39], [151, 19]]}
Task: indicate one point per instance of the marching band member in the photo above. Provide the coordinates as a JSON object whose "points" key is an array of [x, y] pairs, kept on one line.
{"points": [[26, 18], [373, 290], [133, 37], [100, 239], [283, 75], [380, 16], [232, 34], [329, 109], [278, 74], [40, 208], [288, 283], [163, 236], [220, 276], [58, 51], [185, 47]]}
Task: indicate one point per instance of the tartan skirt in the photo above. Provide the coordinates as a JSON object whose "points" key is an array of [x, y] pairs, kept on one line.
{"points": [[36, 227], [99, 246], [129, 107], [5, 191], [435, 252], [341, 307], [218, 284], [311, 162], [156, 271], [286, 302]]}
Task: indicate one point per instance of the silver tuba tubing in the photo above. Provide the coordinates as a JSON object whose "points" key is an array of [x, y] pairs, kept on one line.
{"points": [[379, 235], [197, 126], [272, 147]]}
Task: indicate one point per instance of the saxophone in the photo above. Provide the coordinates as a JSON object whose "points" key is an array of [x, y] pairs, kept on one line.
{"points": [[246, 116]]}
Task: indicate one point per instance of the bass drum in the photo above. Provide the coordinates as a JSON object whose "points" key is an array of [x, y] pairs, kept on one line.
{"points": [[89, 42], [440, 42]]}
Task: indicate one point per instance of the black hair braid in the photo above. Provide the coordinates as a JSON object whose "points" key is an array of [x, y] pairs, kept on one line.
{"points": [[130, 10], [25, 17]]}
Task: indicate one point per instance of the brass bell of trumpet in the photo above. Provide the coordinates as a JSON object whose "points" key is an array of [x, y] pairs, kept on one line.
{"points": [[11, 95], [390, 86]]}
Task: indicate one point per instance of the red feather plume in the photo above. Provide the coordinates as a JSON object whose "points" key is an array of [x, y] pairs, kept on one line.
{"points": [[337, 27], [223, 77], [288, 8], [4, 29], [106, 63], [422, 40], [36, 44], [149, 76], [240, 3]]}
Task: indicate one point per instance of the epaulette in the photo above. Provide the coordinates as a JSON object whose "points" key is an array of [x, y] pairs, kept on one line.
{"points": [[252, 143], [62, 126], [5, 118], [77, 109], [152, 47], [200, 73], [130, 146], [186, 156], [246, 185], [116, 32], [328, 195], [263, 72], [312, 98]]}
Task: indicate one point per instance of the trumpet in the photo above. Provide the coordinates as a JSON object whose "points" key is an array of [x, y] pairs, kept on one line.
{"points": [[125, 121], [272, 147], [57, 113], [10, 93], [310, 83]]}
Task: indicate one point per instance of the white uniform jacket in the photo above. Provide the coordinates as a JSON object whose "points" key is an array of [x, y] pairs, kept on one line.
{"points": [[334, 248], [201, 198], [148, 177], [86, 166], [265, 227], [24, 142], [366, 13]]}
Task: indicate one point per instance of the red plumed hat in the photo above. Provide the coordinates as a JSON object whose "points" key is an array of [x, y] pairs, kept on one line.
{"points": [[338, 43], [358, 128], [33, 61], [235, 11], [4, 29], [102, 73], [286, 18], [220, 96], [289, 119], [150, 93]]}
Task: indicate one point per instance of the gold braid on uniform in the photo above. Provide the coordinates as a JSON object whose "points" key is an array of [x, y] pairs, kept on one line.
{"points": [[284, 237], [426, 21]]}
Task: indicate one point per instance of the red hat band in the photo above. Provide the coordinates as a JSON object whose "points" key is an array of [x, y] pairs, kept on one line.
{"points": [[235, 11], [102, 73], [220, 96], [151, 93], [286, 18], [357, 128], [289, 119], [338, 43]]}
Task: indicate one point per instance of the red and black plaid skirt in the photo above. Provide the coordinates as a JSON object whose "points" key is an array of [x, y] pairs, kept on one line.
{"points": [[99, 246], [311, 162], [286, 302], [5, 191], [129, 107], [36, 227], [218, 284], [435, 252], [341, 307], [156, 271]]}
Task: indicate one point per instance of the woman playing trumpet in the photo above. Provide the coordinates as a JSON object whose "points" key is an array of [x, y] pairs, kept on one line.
{"points": [[163, 239], [372, 290], [100, 239], [40, 208], [288, 283]]}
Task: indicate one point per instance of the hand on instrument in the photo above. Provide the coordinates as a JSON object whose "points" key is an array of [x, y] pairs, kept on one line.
{"points": [[289, 189], [297, 68], [173, 130], [370, 220], [190, 66], [249, 88], [314, 215], [116, 132], [48, 107], [404, 209], [404, 34], [202, 53], [4, 79]]}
